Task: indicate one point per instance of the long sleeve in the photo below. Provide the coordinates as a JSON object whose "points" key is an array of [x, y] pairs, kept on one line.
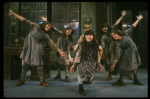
{"points": [[117, 51], [52, 45], [58, 32], [129, 30], [69, 48], [78, 56], [29, 23], [98, 59]]}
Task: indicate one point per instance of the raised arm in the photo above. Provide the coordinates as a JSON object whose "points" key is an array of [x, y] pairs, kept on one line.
{"points": [[137, 21], [54, 47], [76, 59], [78, 43], [54, 29], [117, 56], [58, 32], [123, 13], [22, 19], [15, 15], [129, 30], [44, 18]]}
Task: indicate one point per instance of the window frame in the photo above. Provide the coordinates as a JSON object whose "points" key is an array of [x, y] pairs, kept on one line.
{"points": [[60, 22]]}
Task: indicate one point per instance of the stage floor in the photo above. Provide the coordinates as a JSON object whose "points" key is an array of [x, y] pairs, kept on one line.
{"points": [[61, 89]]}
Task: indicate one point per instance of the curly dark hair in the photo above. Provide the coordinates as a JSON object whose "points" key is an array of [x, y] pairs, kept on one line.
{"points": [[94, 43], [113, 43], [42, 26], [106, 25], [117, 31], [71, 36]]}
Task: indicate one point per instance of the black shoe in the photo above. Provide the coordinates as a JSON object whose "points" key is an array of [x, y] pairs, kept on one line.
{"points": [[82, 91], [67, 79], [21, 82], [57, 77], [87, 82], [109, 77], [137, 82]]}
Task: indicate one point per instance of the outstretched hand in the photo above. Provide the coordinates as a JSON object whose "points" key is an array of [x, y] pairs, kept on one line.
{"points": [[74, 48], [63, 55], [10, 12], [123, 13], [139, 17], [44, 18], [72, 69], [71, 60], [112, 68]]}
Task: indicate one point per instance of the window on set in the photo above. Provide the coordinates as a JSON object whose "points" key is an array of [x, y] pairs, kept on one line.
{"points": [[66, 14]]}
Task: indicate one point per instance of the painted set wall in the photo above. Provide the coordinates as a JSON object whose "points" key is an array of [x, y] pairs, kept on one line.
{"points": [[8, 35], [88, 10]]}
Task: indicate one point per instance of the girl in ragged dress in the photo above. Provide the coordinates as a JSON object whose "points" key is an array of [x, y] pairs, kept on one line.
{"points": [[106, 42], [32, 53], [126, 53], [86, 59], [64, 43], [85, 28]]}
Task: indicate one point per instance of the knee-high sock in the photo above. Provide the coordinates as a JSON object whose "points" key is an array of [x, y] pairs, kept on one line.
{"points": [[25, 67], [58, 67], [66, 70], [135, 76], [110, 73], [121, 76], [41, 74]]}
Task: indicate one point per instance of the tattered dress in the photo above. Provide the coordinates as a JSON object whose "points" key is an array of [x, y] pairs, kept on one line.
{"points": [[32, 52], [64, 45], [129, 59], [88, 67], [106, 45]]}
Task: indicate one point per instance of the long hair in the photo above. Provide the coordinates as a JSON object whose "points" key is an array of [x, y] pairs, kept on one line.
{"points": [[71, 36], [42, 26], [117, 31], [113, 43], [94, 43]]}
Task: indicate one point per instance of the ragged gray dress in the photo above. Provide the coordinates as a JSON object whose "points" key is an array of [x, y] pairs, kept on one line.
{"points": [[32, 52], [64, 45], [129, 59], [88, 67], [106, 45]]}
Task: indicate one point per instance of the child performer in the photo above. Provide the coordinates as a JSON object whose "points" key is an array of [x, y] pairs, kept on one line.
{"points": [[86, 59], [64, 42], [85, 28], [129, 59], [106, 42], [32, 53]]}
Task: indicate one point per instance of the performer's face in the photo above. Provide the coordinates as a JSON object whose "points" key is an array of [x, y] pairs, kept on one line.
{"points": [[116, 36], [47, 27], [88, 38], [68, 32], [105, 29]]}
